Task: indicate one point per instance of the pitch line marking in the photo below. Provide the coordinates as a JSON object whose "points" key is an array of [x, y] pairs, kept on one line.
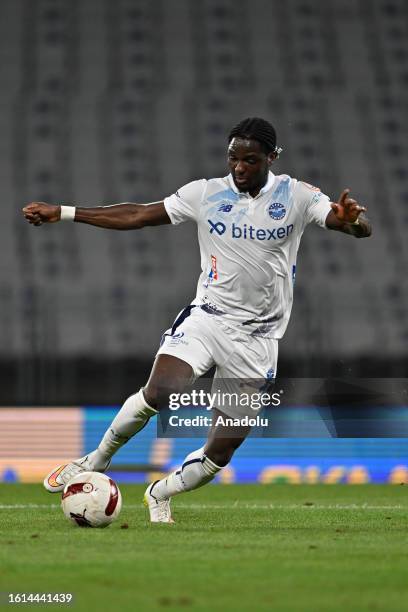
{"points": [[302, 506], [233, 506]]}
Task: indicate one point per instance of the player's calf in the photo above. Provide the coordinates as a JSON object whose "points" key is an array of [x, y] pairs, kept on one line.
{"points": [[131, 418]]}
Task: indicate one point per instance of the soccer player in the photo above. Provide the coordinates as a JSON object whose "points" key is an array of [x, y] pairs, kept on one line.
{"points": [[249, 228]]}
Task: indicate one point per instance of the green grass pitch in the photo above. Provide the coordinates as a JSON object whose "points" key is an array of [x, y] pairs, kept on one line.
{"points": [[234, 547]]}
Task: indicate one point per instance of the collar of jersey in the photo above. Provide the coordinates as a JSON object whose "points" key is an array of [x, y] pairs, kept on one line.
{"points": [[265, 188]]}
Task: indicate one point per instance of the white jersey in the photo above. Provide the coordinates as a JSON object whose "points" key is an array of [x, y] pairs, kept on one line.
{"points": [[249, 246]]}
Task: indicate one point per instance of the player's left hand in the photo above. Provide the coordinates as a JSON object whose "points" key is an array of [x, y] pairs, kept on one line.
{"points": [[347, 210]]}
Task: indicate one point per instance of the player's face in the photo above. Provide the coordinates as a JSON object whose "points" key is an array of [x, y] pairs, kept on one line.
{"points": [[248, 164]]}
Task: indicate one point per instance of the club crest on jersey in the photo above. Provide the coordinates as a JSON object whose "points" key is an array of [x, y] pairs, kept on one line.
{"points": [[277, 211]]}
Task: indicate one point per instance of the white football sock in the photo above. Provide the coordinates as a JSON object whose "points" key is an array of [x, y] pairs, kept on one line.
{"points": [[195, 472], [131, 418]]}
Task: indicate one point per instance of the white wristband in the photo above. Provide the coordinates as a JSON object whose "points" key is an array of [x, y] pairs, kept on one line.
{"points": [[67, 213]]}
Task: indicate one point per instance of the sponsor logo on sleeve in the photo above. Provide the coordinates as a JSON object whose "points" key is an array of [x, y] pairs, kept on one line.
{"points": [[316, 198]]}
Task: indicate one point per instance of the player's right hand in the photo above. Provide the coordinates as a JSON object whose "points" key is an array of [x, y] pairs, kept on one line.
{"points": [[38, 213]]}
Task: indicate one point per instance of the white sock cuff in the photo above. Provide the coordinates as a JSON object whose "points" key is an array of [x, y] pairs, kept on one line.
{"points": [[147, 409], [209, 466]]}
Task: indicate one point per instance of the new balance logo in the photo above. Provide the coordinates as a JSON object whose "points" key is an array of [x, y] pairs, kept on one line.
{"points": [[248, 232], [225, 208]]}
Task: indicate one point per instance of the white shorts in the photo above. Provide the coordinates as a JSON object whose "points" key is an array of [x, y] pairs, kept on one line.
{"points": [[203, 341]]}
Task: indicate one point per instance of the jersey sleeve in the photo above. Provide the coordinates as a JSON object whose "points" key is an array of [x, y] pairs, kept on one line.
{"points": [[316, 205], [184, 205]]}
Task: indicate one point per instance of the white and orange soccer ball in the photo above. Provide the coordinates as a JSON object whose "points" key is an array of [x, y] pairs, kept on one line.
{"points": [[91, 499]]}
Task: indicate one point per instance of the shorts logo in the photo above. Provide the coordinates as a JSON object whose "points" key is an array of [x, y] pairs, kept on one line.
{"points": [[217, 227], [177, 339], [270, 375], [225, 208], [277, 211]]}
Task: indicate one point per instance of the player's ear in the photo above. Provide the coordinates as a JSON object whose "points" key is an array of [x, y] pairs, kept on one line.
{"points": [[271, 157]]}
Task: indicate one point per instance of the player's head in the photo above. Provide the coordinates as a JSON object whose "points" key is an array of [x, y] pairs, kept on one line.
{"points": [[251, 151]]}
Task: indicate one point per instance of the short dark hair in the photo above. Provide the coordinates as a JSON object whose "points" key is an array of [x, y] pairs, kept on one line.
{"points": [[255, 128]]}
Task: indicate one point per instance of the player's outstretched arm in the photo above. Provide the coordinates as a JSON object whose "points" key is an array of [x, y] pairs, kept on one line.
{"points": [[345, 217], [118, 216]]}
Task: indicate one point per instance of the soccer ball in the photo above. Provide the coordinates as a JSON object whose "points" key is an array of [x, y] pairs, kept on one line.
{"points": [[91, 499]]}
